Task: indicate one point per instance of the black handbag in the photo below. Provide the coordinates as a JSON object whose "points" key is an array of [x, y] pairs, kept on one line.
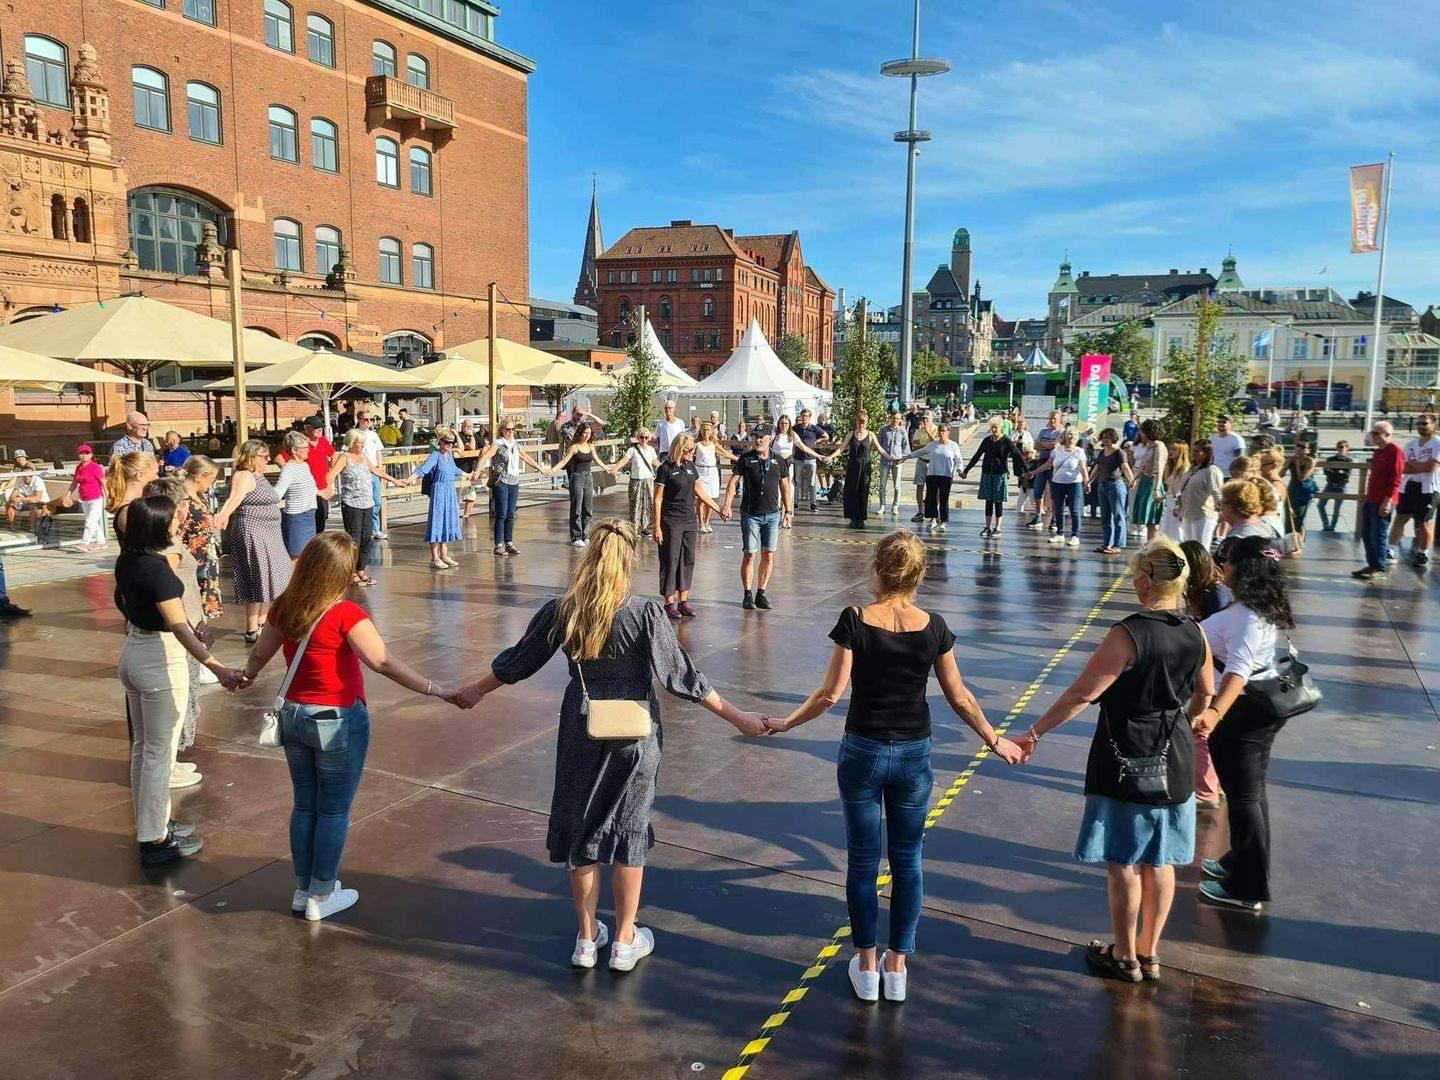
{"points": [[1290, 691], [1143, 779]]}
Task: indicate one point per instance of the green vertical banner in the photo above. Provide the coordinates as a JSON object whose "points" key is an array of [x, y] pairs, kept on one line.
{"points": [[1094, 389]]}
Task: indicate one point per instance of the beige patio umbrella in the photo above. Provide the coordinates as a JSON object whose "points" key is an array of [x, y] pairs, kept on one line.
{"points": [[21, 370]]}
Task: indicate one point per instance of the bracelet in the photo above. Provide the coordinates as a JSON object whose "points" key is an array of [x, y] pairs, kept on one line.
{"points": [[429, 688], [1033, 734]]}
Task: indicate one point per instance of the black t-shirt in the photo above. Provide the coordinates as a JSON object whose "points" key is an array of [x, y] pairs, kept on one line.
{"points": [[809, 434], [581, 461], [141, 583], [678, 483], [762, 478], [889, 671]]}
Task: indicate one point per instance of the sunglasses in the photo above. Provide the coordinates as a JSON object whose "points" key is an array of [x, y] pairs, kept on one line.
{"points": [[447, 442]]}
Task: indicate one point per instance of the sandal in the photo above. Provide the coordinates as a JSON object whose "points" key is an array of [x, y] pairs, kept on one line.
{"points": [[1101, 960], [1149, 967], [366, 580]]}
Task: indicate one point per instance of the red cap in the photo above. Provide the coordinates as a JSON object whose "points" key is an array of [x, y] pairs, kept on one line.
{"points": [[83, 449]]}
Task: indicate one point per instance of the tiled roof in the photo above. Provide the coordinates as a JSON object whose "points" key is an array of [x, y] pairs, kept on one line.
{"points": [[815, 280], [1112, 312], [943, 283], [1001, 327], [770, 249], [673, 241], [1126, 286]]}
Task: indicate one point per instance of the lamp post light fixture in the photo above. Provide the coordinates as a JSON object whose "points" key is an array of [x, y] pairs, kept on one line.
{"points": [[914, 68]]}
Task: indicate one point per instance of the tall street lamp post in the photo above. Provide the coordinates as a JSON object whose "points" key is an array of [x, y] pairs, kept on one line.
{"points": [[913, 68]]}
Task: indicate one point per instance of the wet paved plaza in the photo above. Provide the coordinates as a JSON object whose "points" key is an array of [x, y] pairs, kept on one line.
{"points": [[455, 962]]}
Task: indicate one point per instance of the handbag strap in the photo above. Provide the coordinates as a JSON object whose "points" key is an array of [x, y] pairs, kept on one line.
{"points": [[295, 660], [1162, 752], [580, 671]]}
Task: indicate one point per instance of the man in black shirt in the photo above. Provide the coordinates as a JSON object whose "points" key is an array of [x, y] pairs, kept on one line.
{"points": [[805, 465], [765, 502]]}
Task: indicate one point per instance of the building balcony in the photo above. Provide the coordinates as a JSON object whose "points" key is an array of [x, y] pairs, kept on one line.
{"points": [[395, 103]]}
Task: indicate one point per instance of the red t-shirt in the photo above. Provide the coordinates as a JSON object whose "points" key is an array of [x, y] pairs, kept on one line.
{"points": [[1387, 468], [330, 671]]}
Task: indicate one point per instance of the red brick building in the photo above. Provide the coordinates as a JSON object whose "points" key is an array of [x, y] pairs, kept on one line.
{"points": [[701, 285], [367, 157]]}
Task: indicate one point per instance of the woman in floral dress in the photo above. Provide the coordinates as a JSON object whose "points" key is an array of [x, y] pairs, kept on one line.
{"points": [[198, 533]]}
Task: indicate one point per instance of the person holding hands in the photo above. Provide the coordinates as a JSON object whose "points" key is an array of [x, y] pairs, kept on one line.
{"points": [[765, 504]]}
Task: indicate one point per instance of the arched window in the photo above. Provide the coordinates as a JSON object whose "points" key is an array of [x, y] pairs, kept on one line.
{"points": [[152, 98], [406, 347], [59, 229], [81, 222], [390, 269], [320, 39], [624, 309], [324, 145], [48, 69], [287, 245], [283, 144], [420, 179], [279, 26], [317, 340], [203, 109], [417, 71], [665, 307], [327, 248], [707, 309], [382, 56], [422, 266], [165, 228], [387, 162]]}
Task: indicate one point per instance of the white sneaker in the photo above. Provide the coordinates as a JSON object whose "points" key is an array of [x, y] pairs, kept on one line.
{"points": [[585, 952], [1074, 541], [894, 982], [207, 677], [624, 957], [577, 543], [184, 767], [453, 563], [866, 983], [180, 778], [379, 534], [1057, 539], [338, 900], [940, 527]]}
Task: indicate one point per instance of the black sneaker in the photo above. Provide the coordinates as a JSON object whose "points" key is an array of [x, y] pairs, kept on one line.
{"points": [[749, 602], [11, 610], [1422, 558], [171, 849], [918, 517], [1365, 573], [761, 600]]}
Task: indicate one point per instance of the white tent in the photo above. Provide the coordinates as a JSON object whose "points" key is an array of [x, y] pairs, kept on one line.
{"points": [[1037, 361], [755, 372], [672, 375]]}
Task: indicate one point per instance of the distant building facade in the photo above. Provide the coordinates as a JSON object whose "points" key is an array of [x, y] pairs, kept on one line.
{"points": [[568, 324], [951, 317], [1073, 301]]}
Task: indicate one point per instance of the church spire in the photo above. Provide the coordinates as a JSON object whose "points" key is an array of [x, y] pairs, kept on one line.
{"points": [[587, 289]]}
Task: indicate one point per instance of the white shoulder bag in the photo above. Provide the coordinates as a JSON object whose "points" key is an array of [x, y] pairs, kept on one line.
{"points": [[270, 722]]}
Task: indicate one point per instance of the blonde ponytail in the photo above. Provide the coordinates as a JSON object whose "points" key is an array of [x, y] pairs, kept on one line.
{"points": [[600, 585], [122, 470]]}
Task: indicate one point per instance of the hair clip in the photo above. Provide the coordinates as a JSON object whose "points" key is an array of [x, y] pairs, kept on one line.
{"points": [[1271, 553]]}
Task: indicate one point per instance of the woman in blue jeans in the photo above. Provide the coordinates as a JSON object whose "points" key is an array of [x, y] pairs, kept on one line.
{"points": [[1068, 479], [324, 723], [886, 651], [1111, 478]]}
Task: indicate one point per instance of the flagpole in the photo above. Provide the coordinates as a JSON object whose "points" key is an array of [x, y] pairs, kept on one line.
{"points": [[1371, 391]]}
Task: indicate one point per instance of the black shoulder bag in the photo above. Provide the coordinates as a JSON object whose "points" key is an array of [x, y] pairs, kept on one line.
{"points": [[1143, 779], [1290, 691]]}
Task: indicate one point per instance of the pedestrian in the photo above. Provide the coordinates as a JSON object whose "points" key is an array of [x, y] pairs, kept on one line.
{"points": [[324, 721], [860, 447], [175, 455], [641, 460], [1205, 594], [1270, 461], [708, 452], [296, 489], [1177, 467], [578, 463], [407, 428], [354, 472], [1111, 478], [348, 419], [467, 452], [1198, 503], [89, 484], [1301, 489], [373, 450], [1148, 506], [1226, 443], [894, 443], [257, 546], [1151, 669], [554, 437], [667, 428], [318, 461], [923, 435], [676, 524], [604, 791], [442, 521], [885, 653], [1130, 431], [8, 608], [807, 470], [502, 460], [995, 453], [1418, 489], [155, 673], [1243, 467], [1382, 490], [1069, 478], [1045, 442], [797, 457], [717, 424], [765, 503], [198, 532], [1337, 479], [24, 492], [136, 439], [125, 479], [1240, 724]]}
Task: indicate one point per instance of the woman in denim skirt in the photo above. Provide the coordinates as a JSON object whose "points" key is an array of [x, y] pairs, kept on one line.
{"points": [[887, 650], [324, 724]]}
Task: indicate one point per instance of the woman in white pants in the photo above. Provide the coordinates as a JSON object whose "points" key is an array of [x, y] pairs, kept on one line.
{"points": [[1177, 465], [89, 482], [1198, 505]]}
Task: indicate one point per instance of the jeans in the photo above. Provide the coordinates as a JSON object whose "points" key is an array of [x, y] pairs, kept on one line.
{"points": [[897, 776], [890, 481], [1374, 531], [582, 503], [1331, 522], [375, 490], [325, 748], [1066, 497], [805, 482], [1240, 748], [760, 531], [156, 677], [503, 500], [1113, 524]]}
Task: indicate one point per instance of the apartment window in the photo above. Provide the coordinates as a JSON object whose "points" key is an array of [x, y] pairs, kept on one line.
{"points": [[279, 26], [152, 98], [390, 272], [327, 248], [1327, 348], [422, 266], [324, 145], [610, 277], [420, 171], [47, 68], [615, 339], [417, 71], [665, 338], [203, 110], [287, 245], [624, 309], [387, 162], [320, 39], [671, 276], [707, 273], [708, 308], [694, 273], [283, 143], [201, 11], [1359, 348], [714, 339], [1260, 350], [382, 56], [654, 277], [166, 226], [1299, 348], [719, 273], [665, 307]]}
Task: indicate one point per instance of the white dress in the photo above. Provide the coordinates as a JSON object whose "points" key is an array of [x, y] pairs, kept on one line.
{"points": [[707, 465]]}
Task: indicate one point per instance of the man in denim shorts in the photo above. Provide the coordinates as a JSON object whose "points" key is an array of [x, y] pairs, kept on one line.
{"points": [[765, 502]]}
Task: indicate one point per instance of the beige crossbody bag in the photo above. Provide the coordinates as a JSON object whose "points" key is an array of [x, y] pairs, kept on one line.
{"points": [[613, 718]]}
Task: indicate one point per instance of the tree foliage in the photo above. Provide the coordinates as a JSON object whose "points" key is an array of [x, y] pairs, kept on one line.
{"points": [[863, 379], [1225, 376], [926, 366], [1127, 343], [794, 352], [636, 388]]}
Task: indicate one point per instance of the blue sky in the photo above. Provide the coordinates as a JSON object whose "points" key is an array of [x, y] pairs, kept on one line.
{"points": [[1136, 143]]}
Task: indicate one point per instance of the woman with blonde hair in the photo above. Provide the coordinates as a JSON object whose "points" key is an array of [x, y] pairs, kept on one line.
{"points": [[442, 521], [1177, 467], [708, 452], [640, 458], [354, 472], [1272, 488], [257, 546], [325, 723], [679, 491], [125, 480], [295, 486], [886, 651], [1151, 669], [198, 532], [616, 644]]}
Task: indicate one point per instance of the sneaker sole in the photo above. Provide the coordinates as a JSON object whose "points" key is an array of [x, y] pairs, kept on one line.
{"points": [[626, 965], [1242, 905]]}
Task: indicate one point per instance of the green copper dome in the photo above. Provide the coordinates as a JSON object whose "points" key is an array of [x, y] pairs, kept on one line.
{"points": [[962, 239], [1064, 283]]}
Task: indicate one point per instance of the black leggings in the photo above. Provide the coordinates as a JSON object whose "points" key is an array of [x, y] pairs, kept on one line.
{"points": [[994, 509], [677, 555], [358, 523], [937, 497], [1240, 748]]}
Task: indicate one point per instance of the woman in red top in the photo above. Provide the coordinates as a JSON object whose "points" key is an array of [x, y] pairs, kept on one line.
{"points": [[325, 725]]}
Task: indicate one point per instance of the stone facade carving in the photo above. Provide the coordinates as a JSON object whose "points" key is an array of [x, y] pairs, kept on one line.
{"points": [[343, 272]]}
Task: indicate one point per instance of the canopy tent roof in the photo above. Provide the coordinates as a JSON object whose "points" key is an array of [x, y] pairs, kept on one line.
{"points": [[138, 329], [561, 372], [514, 360], [1037, 360], [753, 370], [672, 375], [21, 370]]}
